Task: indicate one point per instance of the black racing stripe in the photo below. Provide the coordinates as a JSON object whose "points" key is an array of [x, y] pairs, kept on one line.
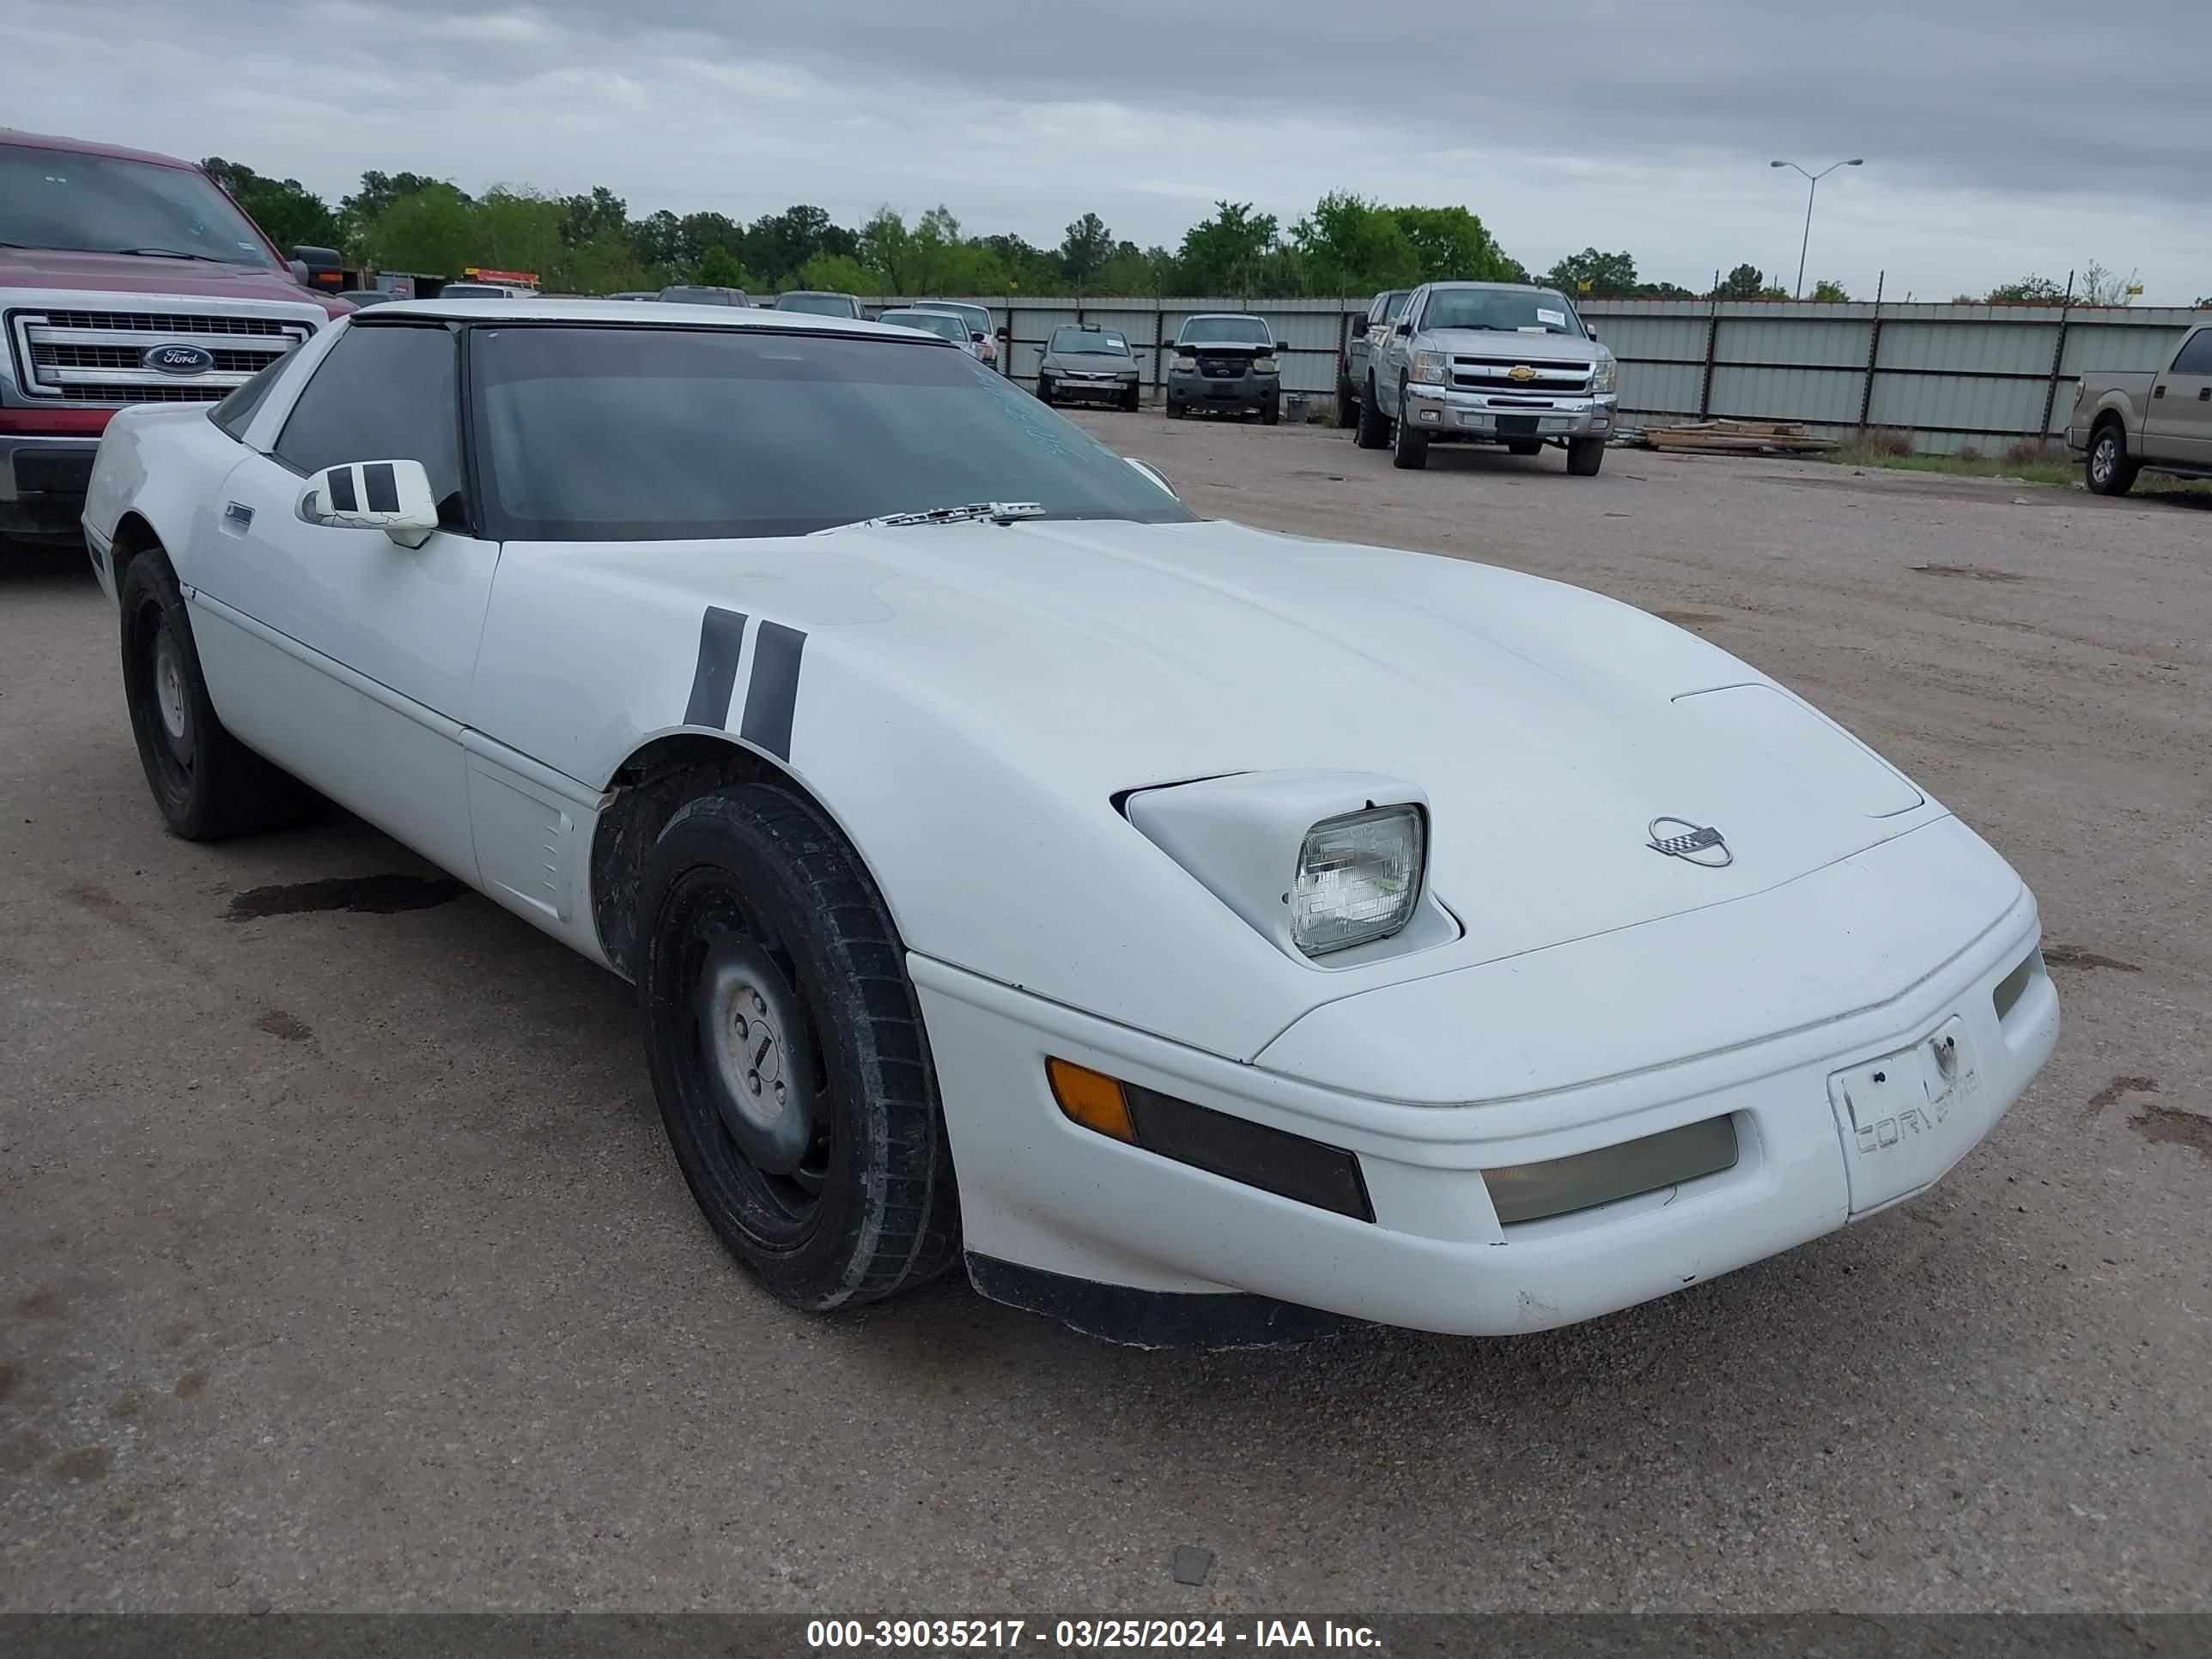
{"points": [[721, 636], [382, 487], [342, 500], [774, 694]]}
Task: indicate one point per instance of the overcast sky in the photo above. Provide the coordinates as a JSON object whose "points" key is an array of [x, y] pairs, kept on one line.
{"points": [[2000, 139]]}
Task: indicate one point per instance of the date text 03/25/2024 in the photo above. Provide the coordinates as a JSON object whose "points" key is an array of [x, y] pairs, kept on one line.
{"points": [[944, 1635]]}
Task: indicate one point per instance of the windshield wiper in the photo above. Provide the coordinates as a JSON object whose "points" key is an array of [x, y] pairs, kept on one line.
{"points": [[996, 512], [173, 253]]}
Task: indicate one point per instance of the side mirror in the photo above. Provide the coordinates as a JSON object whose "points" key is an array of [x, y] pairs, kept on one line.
{"points": [[394, 496], [1153, 473], [1005, 334], [1590, 329], [1405, 326], [1282, 345]]}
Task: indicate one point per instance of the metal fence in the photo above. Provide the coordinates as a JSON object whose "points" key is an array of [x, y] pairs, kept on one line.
{"points": [[1952, 375]]}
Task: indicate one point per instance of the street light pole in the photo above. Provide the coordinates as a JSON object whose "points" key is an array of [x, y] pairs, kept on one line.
{"points": [[1812, 190]]}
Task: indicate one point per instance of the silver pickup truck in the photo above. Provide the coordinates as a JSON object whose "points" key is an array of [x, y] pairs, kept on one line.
{"points": [[1356, 359], [2159, 419], [1490, 362]]}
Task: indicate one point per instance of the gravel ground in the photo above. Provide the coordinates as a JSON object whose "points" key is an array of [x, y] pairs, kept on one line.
{"points": [[343, 1266]]}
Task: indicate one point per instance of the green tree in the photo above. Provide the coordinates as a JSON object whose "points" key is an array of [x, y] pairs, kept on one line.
{"points": [[719, 268], [1451, 245], [517, 230], [887, 246], [1350, 245], [1595, 275], [1829, 293], [1227, 252], [379, 193], [1745, 282], [2028, 291], [600, 213], [1087, 246], [778, 245], [839, 273], [286, 210], [431, 230]]}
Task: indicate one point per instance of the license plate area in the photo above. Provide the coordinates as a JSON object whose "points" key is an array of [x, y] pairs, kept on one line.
{"points": [[1517, 426], [1906, 1117]]}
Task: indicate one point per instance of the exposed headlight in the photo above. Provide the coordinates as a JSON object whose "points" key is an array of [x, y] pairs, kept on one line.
{"points": [[1605, 376], [1263, 365], [1428, 368], [1358, 878], [1184, 360]]}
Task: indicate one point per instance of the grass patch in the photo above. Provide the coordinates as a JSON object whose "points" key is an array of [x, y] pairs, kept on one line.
{"points": [[2040, 466]]}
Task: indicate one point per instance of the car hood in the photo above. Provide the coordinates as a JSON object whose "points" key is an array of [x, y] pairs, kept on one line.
{"points": [[110, 273], [1079, 362], [1525, 348], [1067, 663]]}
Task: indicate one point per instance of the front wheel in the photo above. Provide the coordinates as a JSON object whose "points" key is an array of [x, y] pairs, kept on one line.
{"points": [[1174, 410], [1585, 456], [1409, 444], [2107, 470], [1132, 398], [788, 1052], [1271, 412], [207, 785], [1044, 389]]}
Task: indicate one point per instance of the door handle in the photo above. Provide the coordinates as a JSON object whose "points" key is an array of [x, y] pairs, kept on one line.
{"points": [[2158, 391], [2204, 394]]}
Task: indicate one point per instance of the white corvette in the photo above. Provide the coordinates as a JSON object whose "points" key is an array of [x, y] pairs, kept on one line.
{"points": [[1207, 934]]}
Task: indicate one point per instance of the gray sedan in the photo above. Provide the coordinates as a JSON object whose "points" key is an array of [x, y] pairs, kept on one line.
{"points": [[1087, 362]]}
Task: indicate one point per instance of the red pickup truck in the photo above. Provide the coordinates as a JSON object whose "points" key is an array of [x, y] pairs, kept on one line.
{"points": [[124, 278]]}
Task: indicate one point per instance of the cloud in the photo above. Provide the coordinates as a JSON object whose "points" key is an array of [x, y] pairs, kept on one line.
{"points": [[1995, 145]]}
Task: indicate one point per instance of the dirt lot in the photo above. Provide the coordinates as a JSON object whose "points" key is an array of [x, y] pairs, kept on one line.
{"points": [[342, 1264]]}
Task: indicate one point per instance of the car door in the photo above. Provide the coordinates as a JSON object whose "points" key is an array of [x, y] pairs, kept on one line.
{"points": [[2179, 426], [340, 654]]}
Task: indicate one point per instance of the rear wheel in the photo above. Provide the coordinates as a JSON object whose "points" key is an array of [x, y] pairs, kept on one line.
{"points": [[209, 785], [1409, 444], [788, 1052], [1585, 456], [2107, 469], [1373, 430], [1347, 406]]}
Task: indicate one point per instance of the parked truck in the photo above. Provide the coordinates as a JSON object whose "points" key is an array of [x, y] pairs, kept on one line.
{"points": [[124, 278], [2155, 420]]}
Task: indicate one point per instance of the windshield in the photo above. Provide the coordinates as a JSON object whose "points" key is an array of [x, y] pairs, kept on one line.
{"points": [[56, 198], [1506, 309], [470, 291], [1226, 330], [819, 305], [977, 319], [942, 324], [1068, 342], [627, 433], [703, 296]]}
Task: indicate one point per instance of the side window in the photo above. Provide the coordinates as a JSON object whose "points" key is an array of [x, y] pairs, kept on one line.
{"points": [[234, 413], [2196, 357], [385, 392]]}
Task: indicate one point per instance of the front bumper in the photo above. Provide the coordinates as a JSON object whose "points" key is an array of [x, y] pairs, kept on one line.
{"points": [[1195, 391], [42, 485], [1452, 410], [1041, 1193], [1065, 386]]}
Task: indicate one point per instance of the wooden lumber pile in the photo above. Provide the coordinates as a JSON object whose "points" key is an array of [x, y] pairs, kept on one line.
{"points": [[1726, 437]]}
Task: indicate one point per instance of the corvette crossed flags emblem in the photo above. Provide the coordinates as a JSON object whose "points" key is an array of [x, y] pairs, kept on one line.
{"points": [[1694, 844]]}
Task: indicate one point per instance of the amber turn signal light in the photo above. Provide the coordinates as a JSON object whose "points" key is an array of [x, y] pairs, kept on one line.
{"points": [[1091, 1099]]}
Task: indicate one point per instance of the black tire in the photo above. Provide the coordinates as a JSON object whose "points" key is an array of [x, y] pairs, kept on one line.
{"points": [[1271, 412], [1174, 410], [1044, 389], [207, 785], [1133, 399], [2107, 469], [1373, 431], [1409, 444], [847, 1195], [1585, 456], [1525, 447], [1347, 405]]}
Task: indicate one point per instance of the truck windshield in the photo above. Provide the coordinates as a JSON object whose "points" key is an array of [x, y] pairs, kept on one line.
{"points": [[630, 433], [1226, 330], [57, 199], [943, 324], [818, 305], [1507, 310]]}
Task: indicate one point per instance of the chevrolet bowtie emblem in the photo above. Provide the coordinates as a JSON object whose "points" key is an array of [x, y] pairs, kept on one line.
{"points": [[1520, 372]]}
